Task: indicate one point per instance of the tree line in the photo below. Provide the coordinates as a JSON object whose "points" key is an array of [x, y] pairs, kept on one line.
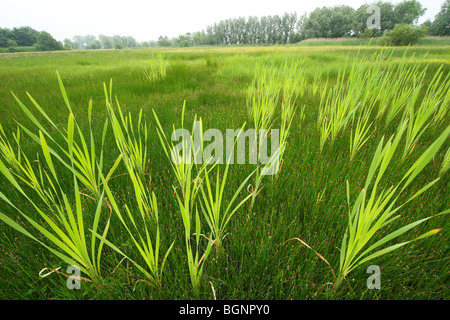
{"points": [[27, 37], [105, 42], [325, 22]]}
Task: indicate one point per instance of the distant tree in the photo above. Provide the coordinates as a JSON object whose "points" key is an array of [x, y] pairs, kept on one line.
{"points": [[106, 42], [130, 42], [428, 23], [288, 22], [45, 42], [25, 36], [164, 41], [408, 12], [403, 35], [367, 34], [210, 36], [183, 40], [441, 23], [199, 38], [68, 44], [330, 22], [5, 35], [94, 45], [12, 43], [342, 21], [91, 42], [387, 17], [79, 40]]}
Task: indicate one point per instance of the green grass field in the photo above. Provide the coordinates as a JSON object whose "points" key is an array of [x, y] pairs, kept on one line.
{"points": [[308, 200]]}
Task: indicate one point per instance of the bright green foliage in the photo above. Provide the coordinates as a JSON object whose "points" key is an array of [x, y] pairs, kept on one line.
{"points": [[157, 69], [132, 144], [213, 207], [189, 179], [376, 207], [64, 228], [403, 35]]}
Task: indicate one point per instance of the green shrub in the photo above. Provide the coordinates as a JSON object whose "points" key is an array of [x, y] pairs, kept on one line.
{"points": [[45, 42], [403, 35]]}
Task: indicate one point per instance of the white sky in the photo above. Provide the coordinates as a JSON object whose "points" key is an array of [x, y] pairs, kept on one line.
{"points": [[147, 20]]}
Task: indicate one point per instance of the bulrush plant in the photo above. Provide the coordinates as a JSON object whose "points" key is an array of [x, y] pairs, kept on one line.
{"points": [[368, 85], [406, 83], [375, 207], [12, 157], [146, 239], [262, 95], [360, 132], [293, 86], [445, 163], [189, 179], [21, 168], [212, 205], [158, 68], [418, 116], [444, 106], [63, 228], [339, 103], [132, 144], [183, 163], [86, 163], [271, 87]]}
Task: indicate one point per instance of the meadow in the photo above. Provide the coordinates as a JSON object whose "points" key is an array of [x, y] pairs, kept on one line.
{"points": [[87, 180]]}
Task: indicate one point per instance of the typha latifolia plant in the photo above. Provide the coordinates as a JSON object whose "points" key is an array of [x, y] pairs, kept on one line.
{"points": [[360, 132], [217, 214], [271, 87], [405, 85], [131, 139], [262, 95], [339, 103], [64, 229], [188, 176], [293, 82], [262, 99], [146, 239], [182, 156], [376, 207], [418, 117], [445, 163], [87, 163], [157, 69]]}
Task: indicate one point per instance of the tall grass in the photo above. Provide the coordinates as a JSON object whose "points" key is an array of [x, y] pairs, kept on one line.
{"points": [[189, 178], [376, 207], [274, 88], [62, 227], [157, 69], [132, 143], [419, 116], [262, 95], [86, 165], [216, 213]]}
